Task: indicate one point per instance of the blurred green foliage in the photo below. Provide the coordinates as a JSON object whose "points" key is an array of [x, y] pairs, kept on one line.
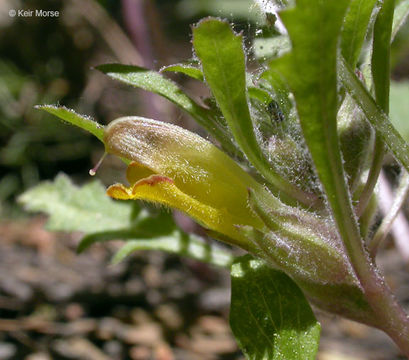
{"points": [[40, 62]]}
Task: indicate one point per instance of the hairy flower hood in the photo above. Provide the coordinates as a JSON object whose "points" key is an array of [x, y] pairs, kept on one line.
{"points": [[177, 168]]}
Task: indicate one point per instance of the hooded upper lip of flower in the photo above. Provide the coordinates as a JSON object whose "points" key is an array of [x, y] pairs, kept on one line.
{"points": [[177, 168]]}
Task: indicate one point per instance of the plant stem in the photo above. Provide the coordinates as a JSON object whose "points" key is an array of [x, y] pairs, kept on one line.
{"points": [[367, 217], [378, 119], [390, 316], [376, 167]]}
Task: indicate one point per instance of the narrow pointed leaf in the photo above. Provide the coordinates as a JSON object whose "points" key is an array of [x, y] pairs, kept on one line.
{"points": [[70, 116], [259, 94], [269, 315], [153, 81], [400, 16], [374, 114], [221, 53], [355, 28], [98, 237], [188, 69], [222, 57], [180, 244], [380, 64], [147, 226]]}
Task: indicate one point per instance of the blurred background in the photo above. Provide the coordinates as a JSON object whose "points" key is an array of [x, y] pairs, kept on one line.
{"points": [[55, 304]]}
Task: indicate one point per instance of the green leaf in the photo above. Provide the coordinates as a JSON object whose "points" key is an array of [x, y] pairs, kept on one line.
{"points": [[153, 81], [179, 243], [381, 49], [147, 226], [221, 53], [259, 94], [400, 16], [187, 69], [82, 121], [71, 208], [355, 28], [269, 315], [104, 236], [222, 57], [374, 114]]}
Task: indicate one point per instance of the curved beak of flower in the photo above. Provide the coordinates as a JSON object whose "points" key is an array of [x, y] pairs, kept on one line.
{"points": [[177, 168]]}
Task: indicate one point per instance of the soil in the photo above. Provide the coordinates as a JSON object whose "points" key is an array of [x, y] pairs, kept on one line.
{"points": [[56, 304]]}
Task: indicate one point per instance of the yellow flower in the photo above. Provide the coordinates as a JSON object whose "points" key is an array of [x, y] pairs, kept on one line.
{"points": [[177, 168]]}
